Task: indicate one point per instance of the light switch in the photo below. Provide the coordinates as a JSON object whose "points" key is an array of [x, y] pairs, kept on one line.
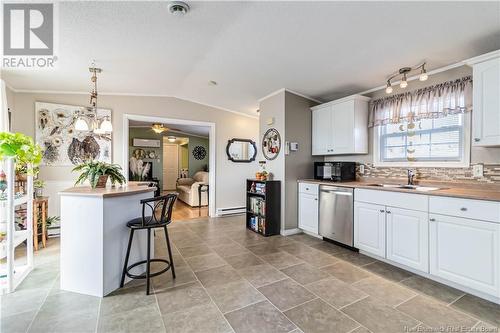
{"points": [[478, 170]]}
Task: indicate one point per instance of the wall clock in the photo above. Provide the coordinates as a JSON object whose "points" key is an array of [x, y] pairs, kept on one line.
{"points": [[271, 144], [199, 152]]}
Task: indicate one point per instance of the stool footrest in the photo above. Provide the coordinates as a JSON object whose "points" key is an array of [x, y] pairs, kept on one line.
{"points": [[143, 276]]}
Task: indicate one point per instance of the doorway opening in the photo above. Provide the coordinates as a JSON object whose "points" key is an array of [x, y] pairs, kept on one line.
{"points": [[178, 156]]}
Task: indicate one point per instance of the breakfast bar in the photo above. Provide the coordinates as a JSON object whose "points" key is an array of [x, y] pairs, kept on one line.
{"points": [[94, 236]]}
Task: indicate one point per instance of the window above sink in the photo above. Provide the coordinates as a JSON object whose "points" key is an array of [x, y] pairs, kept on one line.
{"points": [[440, 142]]}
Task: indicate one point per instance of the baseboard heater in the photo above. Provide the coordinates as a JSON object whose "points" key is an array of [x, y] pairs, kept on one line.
{"points": [[230, 211]]}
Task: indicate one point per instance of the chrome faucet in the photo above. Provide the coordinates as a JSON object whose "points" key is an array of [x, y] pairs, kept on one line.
{"points": [[411, 175]]}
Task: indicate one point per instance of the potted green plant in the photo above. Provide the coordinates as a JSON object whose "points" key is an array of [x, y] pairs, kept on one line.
{"points": [[21, 147], [97, 173], [38, 185]]}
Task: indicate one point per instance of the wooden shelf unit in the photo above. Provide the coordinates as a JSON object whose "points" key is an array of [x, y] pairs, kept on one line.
{"points": [[268, 221]]}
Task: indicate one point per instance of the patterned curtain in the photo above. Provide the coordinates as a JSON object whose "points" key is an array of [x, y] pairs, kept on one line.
{"points": [[430, 102]]}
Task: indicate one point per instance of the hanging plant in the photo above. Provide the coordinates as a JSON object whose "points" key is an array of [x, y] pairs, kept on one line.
{"points": [[26, 153]]}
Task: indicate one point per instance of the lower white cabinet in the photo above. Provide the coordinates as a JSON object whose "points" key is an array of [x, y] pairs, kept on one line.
{"points": [[466, 251], [308, 212], [407, 238], [369, 228]]}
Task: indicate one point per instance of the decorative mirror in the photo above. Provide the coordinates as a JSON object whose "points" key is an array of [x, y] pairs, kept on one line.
{"points": [[271, 144], [241, 150]]}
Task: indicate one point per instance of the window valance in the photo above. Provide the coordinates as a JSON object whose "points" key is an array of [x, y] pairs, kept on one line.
{"points": [[435, 101]]}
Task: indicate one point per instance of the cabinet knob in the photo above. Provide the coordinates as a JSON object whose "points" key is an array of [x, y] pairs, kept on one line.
{"points": [[432, 220], [463, 209], [382, 211], [388, 212], [315, 199], [477, 139]]}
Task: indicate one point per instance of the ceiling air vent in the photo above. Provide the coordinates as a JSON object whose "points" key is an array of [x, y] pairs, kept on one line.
{"points": [[178, 8]]}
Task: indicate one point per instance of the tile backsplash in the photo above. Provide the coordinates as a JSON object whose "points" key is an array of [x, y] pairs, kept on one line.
{"points": [[459, 175]]}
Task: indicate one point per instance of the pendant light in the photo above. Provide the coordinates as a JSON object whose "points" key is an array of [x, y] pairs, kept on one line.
{"points": [[423, 74], [404, 82], [82, 121]]}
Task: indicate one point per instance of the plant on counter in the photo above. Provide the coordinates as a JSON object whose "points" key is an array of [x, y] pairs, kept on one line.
{"points": [[27, 153], [93, 170]]}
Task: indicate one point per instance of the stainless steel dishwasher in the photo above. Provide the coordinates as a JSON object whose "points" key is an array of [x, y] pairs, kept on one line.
{"points": [[336, 213]]}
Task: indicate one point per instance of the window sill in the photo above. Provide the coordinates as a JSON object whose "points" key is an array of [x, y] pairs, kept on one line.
{"points": [[421, 164]]}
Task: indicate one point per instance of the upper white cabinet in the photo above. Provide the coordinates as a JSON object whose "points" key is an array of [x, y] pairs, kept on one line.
{"points": [[341, 127], [486, 99]]}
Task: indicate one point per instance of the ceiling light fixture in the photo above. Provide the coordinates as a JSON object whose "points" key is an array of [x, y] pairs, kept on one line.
{"points": [[84, 119], [171, 138], [423, 74], [404, 79], [388, 89], [158, 128], [404, 82], [178, 8]]}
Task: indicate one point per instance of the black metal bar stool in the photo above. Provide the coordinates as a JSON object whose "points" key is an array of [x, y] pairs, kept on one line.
{"points": [[154, 205]]}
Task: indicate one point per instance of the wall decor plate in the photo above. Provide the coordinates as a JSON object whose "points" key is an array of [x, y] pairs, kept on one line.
{"points": [[199, 152], [271, 144], [62, 144]]}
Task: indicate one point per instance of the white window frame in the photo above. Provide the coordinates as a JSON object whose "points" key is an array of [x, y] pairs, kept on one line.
{"points": [[464, 163]]}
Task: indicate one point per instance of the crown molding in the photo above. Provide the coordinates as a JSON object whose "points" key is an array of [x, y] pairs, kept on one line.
{"points": [[29, 91], [290, 91]]}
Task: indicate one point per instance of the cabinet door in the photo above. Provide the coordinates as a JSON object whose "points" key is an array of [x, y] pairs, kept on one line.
{"points": [[465, 251], [308, 212], [486, 99], [343, 127], [369, 228], [321, 131], [407, 238]]}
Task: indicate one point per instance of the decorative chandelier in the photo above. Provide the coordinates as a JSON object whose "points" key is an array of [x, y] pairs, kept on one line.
{"points": [[89, 121], [158, 128], [404, 79]]}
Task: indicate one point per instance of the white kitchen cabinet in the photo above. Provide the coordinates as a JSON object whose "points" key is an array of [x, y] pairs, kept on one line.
{"points": [[407, 238], [465, 251], [321, 131], [369, 228], [308, 207], [341, 127], [486, 101]]}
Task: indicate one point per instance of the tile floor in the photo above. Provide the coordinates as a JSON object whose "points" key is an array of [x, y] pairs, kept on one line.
{"points": [[233, 280]]}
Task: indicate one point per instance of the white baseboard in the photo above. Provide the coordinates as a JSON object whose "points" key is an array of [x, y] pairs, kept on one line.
{"points": [[289, 232], [220, 212]]}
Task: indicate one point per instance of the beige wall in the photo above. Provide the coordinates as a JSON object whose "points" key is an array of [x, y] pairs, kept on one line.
{"points": [[478, 155], [298, 164], [292, 119], [230, 177]]}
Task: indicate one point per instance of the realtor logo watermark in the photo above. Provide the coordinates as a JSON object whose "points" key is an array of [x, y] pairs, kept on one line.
{"points": [[28, 35]]}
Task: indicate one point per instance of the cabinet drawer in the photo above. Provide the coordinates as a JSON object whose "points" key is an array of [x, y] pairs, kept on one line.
{"points": [[308, 188], [467, 208], [393, 199]]}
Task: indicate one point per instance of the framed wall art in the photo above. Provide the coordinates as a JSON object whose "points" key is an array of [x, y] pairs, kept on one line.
{"points": [[271, 144], [62, 144]]}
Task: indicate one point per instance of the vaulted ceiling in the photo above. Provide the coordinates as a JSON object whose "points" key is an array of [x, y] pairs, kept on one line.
{"points": [[321, 49]]}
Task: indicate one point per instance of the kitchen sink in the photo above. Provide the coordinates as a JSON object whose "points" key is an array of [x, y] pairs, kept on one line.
{"points": [[408, 187]]}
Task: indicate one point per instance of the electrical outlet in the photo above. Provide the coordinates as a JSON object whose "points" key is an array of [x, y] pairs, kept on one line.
{"points": [[362, 169], [477, 170]]}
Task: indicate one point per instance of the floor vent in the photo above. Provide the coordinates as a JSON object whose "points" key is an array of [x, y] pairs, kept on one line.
{"points": [[230, 211]]}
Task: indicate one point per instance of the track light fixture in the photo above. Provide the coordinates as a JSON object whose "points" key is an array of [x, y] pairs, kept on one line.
{"points": [[404, 78]]}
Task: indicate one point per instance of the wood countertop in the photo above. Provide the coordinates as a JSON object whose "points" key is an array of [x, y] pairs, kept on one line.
{"points": [[446, 189], [107, 192]]}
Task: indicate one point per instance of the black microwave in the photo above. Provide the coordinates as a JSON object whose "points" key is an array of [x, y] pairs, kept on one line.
{"points": [[335, 171]]}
